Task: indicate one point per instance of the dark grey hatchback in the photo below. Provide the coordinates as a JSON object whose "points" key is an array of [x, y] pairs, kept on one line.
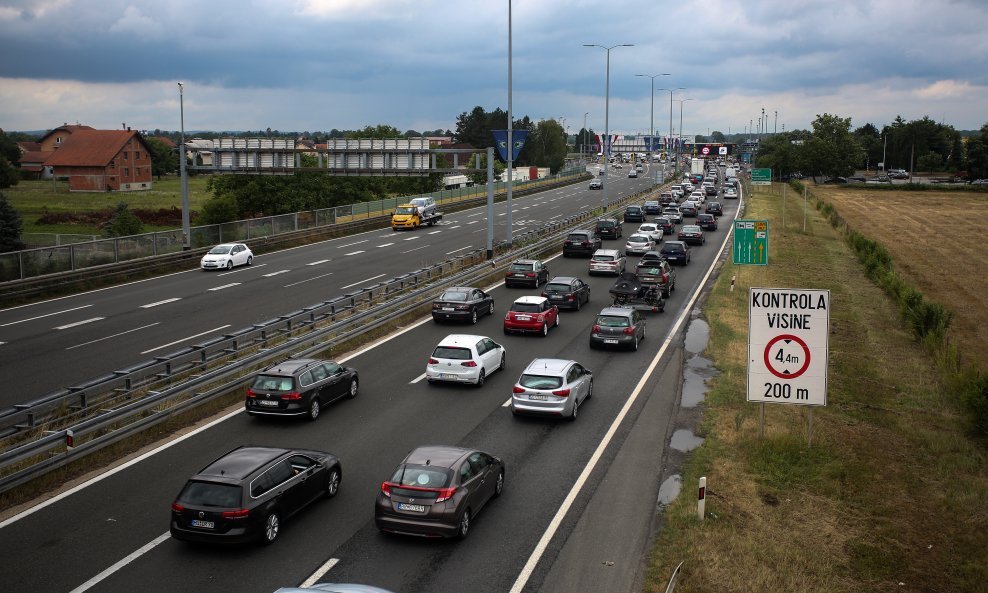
{"points": [[436, 491], [246, 494], [300, 387]]}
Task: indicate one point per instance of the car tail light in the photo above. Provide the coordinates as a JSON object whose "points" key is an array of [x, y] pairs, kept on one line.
{"points": [[517, 389], [561, 392], [291, 396], [445, 494], [585, 243], [386, 489], [629, 331], [433, 361], [177, 507], [238, 514], [468, 363], [571, 297], [461, 307], [530, 275], [595, 329], [664, 277], [250, 392], [541, 318]]}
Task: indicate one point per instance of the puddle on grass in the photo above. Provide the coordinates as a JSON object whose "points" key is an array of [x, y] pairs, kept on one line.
{"points": [[684, 440], [670, 489], [697, 335], [697, 369]]}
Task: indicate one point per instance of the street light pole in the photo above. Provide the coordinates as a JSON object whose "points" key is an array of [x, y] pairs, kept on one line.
{"points": [[651, 110], [583, 145], [511, 144], [668, 151], [681, 101], [186, 229], [607, 105]]}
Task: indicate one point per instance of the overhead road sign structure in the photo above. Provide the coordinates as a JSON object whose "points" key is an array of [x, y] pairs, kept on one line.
{"points": [[750, 242], [761, 176], [788, 345]]}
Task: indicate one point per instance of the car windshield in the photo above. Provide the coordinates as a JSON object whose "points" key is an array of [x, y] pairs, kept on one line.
{"points": [[421, 476], [672, 249], [613, 321], [605, 223], [540, 381], [525, 307], [690, 228], [661, 221], [452, 353], [406, 210], [454, 296], [522, 267], [420, 202], [647, 228], [638, 239], [220, 249], [603, 258], [577, 237], [272, 383], [210, 494], [556, 287]]}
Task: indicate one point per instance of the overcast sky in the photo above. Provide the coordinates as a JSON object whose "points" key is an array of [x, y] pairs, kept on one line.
{"points": [[311, 65]]}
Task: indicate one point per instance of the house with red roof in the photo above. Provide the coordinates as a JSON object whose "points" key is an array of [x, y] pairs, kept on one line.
{"points": [[100, 160]]}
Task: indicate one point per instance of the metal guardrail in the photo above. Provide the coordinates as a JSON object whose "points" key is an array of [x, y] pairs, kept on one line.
{"points": [[85, 418]]}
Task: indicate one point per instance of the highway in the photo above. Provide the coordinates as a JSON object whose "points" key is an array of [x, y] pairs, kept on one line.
{"points": [[110, 535]]}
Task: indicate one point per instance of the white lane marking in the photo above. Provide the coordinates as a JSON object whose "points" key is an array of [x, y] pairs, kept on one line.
{"points": [[557, 519], [415, 249], [276, 273], [481, 213], [412, 239], [455, 227], [352, 244], [473, 222], [434, 232], [362, 281], [316, 263], [312, 580], [122, 562], [46, 315], [417, 379], [224, 286], [354, 253], [307, 280], [506, 403], [83, 322], [460, 249], [243, 269], [386, 245], [166, 301], [185, 339], [114, 335]]}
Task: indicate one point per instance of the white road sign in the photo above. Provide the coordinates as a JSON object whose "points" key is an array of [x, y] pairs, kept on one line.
{"points": [[788, 331]]}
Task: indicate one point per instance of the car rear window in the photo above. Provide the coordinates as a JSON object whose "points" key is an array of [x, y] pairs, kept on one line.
{"points": [[605, 223], [557, 287], [452, 353], [525, 307], [613, 321], [638, 239], [540, 381], [577, 237], [272, 383], [456, 296], [522, 267], [421, 476], [672, 249], [603, 258], [210, 494]]}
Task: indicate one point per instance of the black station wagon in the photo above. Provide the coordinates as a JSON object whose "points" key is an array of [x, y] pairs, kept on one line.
{"points": [[300, 387]]}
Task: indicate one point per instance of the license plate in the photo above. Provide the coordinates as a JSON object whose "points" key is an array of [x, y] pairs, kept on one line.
{"points": [[447, 376], [404, 506], [203, 524], [523, 318], [447, 308], [538, 397], [268, 402], [610, 341]]}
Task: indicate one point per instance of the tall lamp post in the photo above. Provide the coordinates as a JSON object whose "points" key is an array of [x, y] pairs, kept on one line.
{"points": [[186, 230], [607, 104], [671, 91], [680, 101], [651, 111], [583, 144]]}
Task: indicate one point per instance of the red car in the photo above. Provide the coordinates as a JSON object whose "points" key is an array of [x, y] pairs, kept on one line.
{"points": [[531, 314]]}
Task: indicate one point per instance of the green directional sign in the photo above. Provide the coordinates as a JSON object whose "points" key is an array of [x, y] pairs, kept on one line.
{"points": [[751, 242], [761, 177]]}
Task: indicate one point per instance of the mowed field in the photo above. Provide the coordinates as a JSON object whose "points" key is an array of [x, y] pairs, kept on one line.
{"points": [[938, 242]]}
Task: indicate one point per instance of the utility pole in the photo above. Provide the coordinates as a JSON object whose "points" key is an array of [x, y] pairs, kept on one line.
{"points": [[775, 129]]}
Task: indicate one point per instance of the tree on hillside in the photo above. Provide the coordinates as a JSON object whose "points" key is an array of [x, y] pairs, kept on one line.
{"points": [[10, 227], [831, 150], [930, 162], [479, 161], [717, 136], [123, 223], [9, 175], [977, 155], [8, 148], [778, 153], [164, 159], [9, 154], [870, 139], [378, 131]]}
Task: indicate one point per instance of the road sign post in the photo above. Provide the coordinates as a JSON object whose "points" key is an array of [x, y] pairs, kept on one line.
{"points": [[761, 176], [788, 332], [750, 242]]}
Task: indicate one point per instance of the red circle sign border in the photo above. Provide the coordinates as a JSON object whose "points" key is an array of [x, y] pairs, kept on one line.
{"points": [[798, 340]]}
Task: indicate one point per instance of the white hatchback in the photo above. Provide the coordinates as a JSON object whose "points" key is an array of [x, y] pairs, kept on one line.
{"points": [[607, 261], [226, 256], [462, 358]]}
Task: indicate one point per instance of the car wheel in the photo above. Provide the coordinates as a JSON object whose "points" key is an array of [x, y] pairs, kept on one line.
{"points": [[506, 332], [272, 526], [576, 408], [463, 527], [579, 303], [556, 324], [593, 345], [229, 264], [491, 310], [634, 345], [499, 485], [590, 390], [473, 317], [545, 329], [314, 408], [250, 259], [333, 486], [353, 389], [481, 378]]}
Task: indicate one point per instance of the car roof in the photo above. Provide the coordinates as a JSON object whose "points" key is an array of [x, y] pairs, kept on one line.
{"points": [[606, 252], [548, 365], [562, 279], [448, 288], [289, 367], [531, 300], [241, 462], [584, 231], [617, 311], [436, 455], [674, 244], [525, 261], [461, 340], [690, 227]]}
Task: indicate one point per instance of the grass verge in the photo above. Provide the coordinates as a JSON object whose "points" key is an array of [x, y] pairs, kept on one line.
{"points": [[889, 495]]}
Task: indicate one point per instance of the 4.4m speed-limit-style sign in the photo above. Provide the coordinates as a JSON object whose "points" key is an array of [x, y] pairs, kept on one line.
{"points": [[788, 330]]}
